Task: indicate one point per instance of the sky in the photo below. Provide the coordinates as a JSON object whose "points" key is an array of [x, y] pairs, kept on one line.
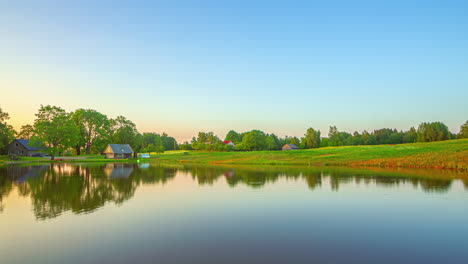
{"points": [[279, 66]]}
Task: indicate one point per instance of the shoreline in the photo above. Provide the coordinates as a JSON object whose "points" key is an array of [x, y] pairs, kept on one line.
{"points": [[441, 155]]}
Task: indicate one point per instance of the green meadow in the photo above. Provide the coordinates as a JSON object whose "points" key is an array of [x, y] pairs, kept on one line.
{"points": [[450, 154]]}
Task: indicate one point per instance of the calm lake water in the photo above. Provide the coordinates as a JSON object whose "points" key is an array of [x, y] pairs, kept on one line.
{"points": [[142, 213]]}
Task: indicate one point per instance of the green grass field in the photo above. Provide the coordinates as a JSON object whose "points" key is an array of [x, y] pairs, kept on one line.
{"points": [[451, 154]]}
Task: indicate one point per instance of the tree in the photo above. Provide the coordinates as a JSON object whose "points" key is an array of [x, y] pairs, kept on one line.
{"points": [[271, 143], [233, 136], [93, 125], [295, 141], [169, 143], [410, 136], [124, 132], [55, 130], [463, 131], [7, 133], [312, 138], [357, 139], [26, 132], [435, 131], [334, 137], [254, 140]]}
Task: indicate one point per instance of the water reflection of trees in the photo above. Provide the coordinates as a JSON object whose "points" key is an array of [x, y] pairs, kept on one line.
{"points": [[58, 188], [258, 176]]}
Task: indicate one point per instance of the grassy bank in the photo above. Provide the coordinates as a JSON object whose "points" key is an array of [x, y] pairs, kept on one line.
{"points": [[4, 160], [451, 154]]}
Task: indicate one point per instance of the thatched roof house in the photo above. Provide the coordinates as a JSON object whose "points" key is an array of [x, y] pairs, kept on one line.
{"points": [[118, 151], [290, 147]]}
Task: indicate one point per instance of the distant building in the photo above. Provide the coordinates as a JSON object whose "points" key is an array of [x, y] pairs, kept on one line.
{"points": [[21, 147], [290, 147], [118, 151], [145, 156], [229, 142]]}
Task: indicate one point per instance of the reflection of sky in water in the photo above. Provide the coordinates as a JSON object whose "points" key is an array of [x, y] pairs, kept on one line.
{"points": [[193, 215]]}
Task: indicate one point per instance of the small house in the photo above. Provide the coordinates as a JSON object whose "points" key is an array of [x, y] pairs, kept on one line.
{"points": [[290, 147], [21, 147], [118, 151], [229, 142]]}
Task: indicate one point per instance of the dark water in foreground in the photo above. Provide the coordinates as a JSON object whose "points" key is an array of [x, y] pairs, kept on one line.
{"points": [[128, 213]]}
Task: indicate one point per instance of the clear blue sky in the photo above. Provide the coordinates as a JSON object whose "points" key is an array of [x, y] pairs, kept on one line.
{"points": [[279, 66]]}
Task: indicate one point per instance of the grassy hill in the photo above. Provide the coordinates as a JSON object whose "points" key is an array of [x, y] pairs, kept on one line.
{"points": [[451, 154]]}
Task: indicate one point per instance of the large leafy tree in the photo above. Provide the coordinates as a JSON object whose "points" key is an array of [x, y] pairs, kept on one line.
{"points": [[312, 138], [233, 136], [7, 133], [435, 131], [254, 140], [92, 125], [169, 143], [463, 131], [54, 129], [26, 132], [124, 132], [152, 142]]}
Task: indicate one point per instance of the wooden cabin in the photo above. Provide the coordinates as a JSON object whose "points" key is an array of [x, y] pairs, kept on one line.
{"points": [[21, 147], [118, 151], [290, 147]]}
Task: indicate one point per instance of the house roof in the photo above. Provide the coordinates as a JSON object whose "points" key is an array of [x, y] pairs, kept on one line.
{"points": [[291, 146], [25, 144], [227, 141], [121, 148]]}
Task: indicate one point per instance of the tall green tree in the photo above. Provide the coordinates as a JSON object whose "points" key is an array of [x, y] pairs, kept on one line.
{"points": [[435, 131], [124, 132], [295, 141], [168, 142], [463, 131], [254, 140], [410, 136], [26, 132], [92, 125], [334, 138], [233, 136], [7, 133], [55, 130], [312, 138], [271, 142]]}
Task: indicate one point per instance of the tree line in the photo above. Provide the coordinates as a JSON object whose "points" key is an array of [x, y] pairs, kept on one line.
{"points": [[89, 131], [81, 131], [259, 140]]}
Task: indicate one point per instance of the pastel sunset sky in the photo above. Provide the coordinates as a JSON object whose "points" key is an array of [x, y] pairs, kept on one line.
{"points": [[280, 66]]}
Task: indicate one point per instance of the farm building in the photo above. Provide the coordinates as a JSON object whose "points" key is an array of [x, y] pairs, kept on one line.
{"points": [[118, 151], [229, 142], [21, 147], [290, 147]]}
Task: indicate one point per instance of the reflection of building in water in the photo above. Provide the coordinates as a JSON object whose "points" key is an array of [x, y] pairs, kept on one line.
{"points": [[118, 170], [144, 165], [22, 174], [229, 174]]}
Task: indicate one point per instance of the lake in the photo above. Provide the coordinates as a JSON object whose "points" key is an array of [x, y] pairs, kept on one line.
{"points": [[150, 213]]}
